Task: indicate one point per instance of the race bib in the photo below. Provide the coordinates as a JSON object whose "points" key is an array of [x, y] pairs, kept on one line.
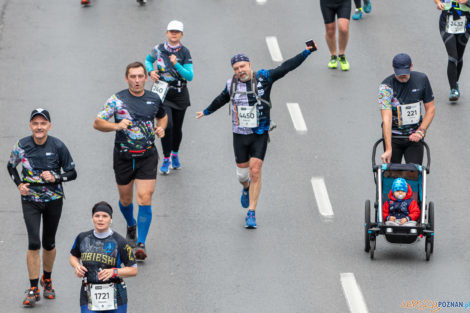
{"points": [[102, 297], [160, 88], [247, 116], [409, 114], [456, 26]]}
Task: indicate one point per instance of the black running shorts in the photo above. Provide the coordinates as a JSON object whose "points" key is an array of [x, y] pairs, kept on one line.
{"points": [[410, 150], [126, 170], [332, 8], [250, 146]]}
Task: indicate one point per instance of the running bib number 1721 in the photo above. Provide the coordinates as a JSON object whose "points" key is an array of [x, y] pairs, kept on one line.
{"points": [[160, 88], [456, 26], [409, 114], [102, 297]]}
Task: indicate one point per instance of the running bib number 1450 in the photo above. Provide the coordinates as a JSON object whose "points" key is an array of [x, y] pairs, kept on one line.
{"points": [[102, 297], [456, 26], [247, 116]]}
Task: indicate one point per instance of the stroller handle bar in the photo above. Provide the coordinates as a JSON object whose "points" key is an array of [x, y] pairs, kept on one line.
{"points": [[428, 153]]}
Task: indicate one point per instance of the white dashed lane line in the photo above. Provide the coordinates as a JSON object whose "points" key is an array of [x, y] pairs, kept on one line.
{"points": [[353, 294], [274, 49], [261, 2], [322, 198], [297, 118]]}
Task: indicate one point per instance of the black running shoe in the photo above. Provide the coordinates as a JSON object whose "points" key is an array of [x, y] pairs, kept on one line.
{"points": [[131, 235]]}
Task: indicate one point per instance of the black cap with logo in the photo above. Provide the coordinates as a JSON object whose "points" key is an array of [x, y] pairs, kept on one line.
{"points": [[44, 113]]}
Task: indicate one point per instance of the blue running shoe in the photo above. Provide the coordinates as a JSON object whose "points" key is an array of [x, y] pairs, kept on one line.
{"points": [[357, 14], [454, 95], [245, 198], [250, 219], [175, 162], [165, 169], [367, 6]]}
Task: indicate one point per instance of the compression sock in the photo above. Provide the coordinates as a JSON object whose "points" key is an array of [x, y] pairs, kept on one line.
{"points": [[47, 275], [34, 282], [128, 212], [144, 219]]}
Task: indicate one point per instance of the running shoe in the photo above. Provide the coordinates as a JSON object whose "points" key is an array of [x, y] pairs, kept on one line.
{"points": [[333, 62], [131, 235], [344, 63], [175, 162], [85, 2], [250, 219], [454, 95], [140, 253], [245, 198], [357, 14], [48, 292], [165, 169], [32, 296], [367, 6]]}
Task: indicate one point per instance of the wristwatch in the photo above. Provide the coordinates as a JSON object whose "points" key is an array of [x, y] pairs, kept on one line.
{"points": [[115, 272]]}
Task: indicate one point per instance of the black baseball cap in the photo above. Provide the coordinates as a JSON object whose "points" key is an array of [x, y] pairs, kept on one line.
{"points": [[402, 64], [43, 112]]}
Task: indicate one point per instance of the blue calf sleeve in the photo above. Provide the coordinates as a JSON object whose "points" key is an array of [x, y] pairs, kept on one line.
{"points": [[144, 219], [128, 212]]}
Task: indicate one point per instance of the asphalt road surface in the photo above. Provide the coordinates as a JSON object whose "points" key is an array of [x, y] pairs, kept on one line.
{"points": [[68, 59]]}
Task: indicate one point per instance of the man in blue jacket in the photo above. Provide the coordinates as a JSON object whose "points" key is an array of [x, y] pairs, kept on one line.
{"points": [[249, 92]]}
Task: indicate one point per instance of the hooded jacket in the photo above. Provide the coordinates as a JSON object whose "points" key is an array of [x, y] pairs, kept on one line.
{"points": [[407, 207]]}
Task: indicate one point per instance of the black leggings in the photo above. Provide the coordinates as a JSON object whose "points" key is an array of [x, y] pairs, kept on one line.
{"points": [[50, 212], [358, 3], [174, 131], [455, 46]]}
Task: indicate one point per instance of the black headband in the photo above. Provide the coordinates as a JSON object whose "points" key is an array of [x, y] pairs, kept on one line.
{"points": [[103, 207]]}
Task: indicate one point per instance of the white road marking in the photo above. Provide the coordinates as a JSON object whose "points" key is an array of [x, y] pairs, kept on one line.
{"points": [[353, 294], [297, 118], [274, 49], [261, 2], [321, 196]]}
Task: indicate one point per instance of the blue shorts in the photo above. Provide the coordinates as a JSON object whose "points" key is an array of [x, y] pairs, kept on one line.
{"points": [[120, 309]]}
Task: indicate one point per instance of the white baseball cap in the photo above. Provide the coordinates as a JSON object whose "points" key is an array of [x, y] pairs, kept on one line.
{"points": [[175, 25]]}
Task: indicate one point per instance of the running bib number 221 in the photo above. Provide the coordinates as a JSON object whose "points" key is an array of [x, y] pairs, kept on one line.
{"points": [[247, 116], [456, 26], [102, 297], [409, 114]]}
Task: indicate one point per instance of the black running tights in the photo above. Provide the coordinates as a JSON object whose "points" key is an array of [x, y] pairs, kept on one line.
{"points": [[50, 212], [455, 46], [174, 131]]}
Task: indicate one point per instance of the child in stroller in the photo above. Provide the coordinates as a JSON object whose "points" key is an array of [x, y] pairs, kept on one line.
{"points": [[401, 209]]}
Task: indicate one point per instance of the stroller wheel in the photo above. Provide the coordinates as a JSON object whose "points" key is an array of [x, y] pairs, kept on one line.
{"points": [[372, 247], [367, 226]]}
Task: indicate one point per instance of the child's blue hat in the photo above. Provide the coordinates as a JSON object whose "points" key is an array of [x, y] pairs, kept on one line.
{"points": [[400, 184]]}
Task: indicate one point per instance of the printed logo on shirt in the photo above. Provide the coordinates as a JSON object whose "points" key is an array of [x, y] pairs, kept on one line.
{"points": [[49, 153], [150, 102], [415, 90]]}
